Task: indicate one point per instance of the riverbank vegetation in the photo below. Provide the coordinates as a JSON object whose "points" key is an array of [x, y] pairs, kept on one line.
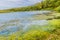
{"points": [[38, 32], [43, 5], [46, 32]]}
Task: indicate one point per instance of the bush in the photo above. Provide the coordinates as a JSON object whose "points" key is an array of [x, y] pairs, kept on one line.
{"points": [[55, 23], [36, 35], [57, 9]]}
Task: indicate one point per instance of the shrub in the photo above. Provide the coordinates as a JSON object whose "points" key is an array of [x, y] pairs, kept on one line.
{"points": [[57, 9], [55, 23], [36, 35]]}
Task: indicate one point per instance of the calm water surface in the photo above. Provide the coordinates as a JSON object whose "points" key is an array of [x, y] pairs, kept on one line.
{"points": [[11, 22]]}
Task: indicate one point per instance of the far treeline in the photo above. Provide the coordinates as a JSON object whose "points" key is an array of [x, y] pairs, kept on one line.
{"points": [[43, 5]]}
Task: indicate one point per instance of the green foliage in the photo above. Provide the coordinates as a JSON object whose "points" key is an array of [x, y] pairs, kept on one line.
{"points": [[57, 9], [44, 5], [55, 23], [36, 35]]}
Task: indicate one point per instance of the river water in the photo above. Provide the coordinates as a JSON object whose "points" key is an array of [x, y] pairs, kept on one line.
{"points": [[14, 21]]}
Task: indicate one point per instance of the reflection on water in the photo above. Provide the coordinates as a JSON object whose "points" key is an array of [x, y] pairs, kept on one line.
{"points": [[35, 22], [11, 22]]}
